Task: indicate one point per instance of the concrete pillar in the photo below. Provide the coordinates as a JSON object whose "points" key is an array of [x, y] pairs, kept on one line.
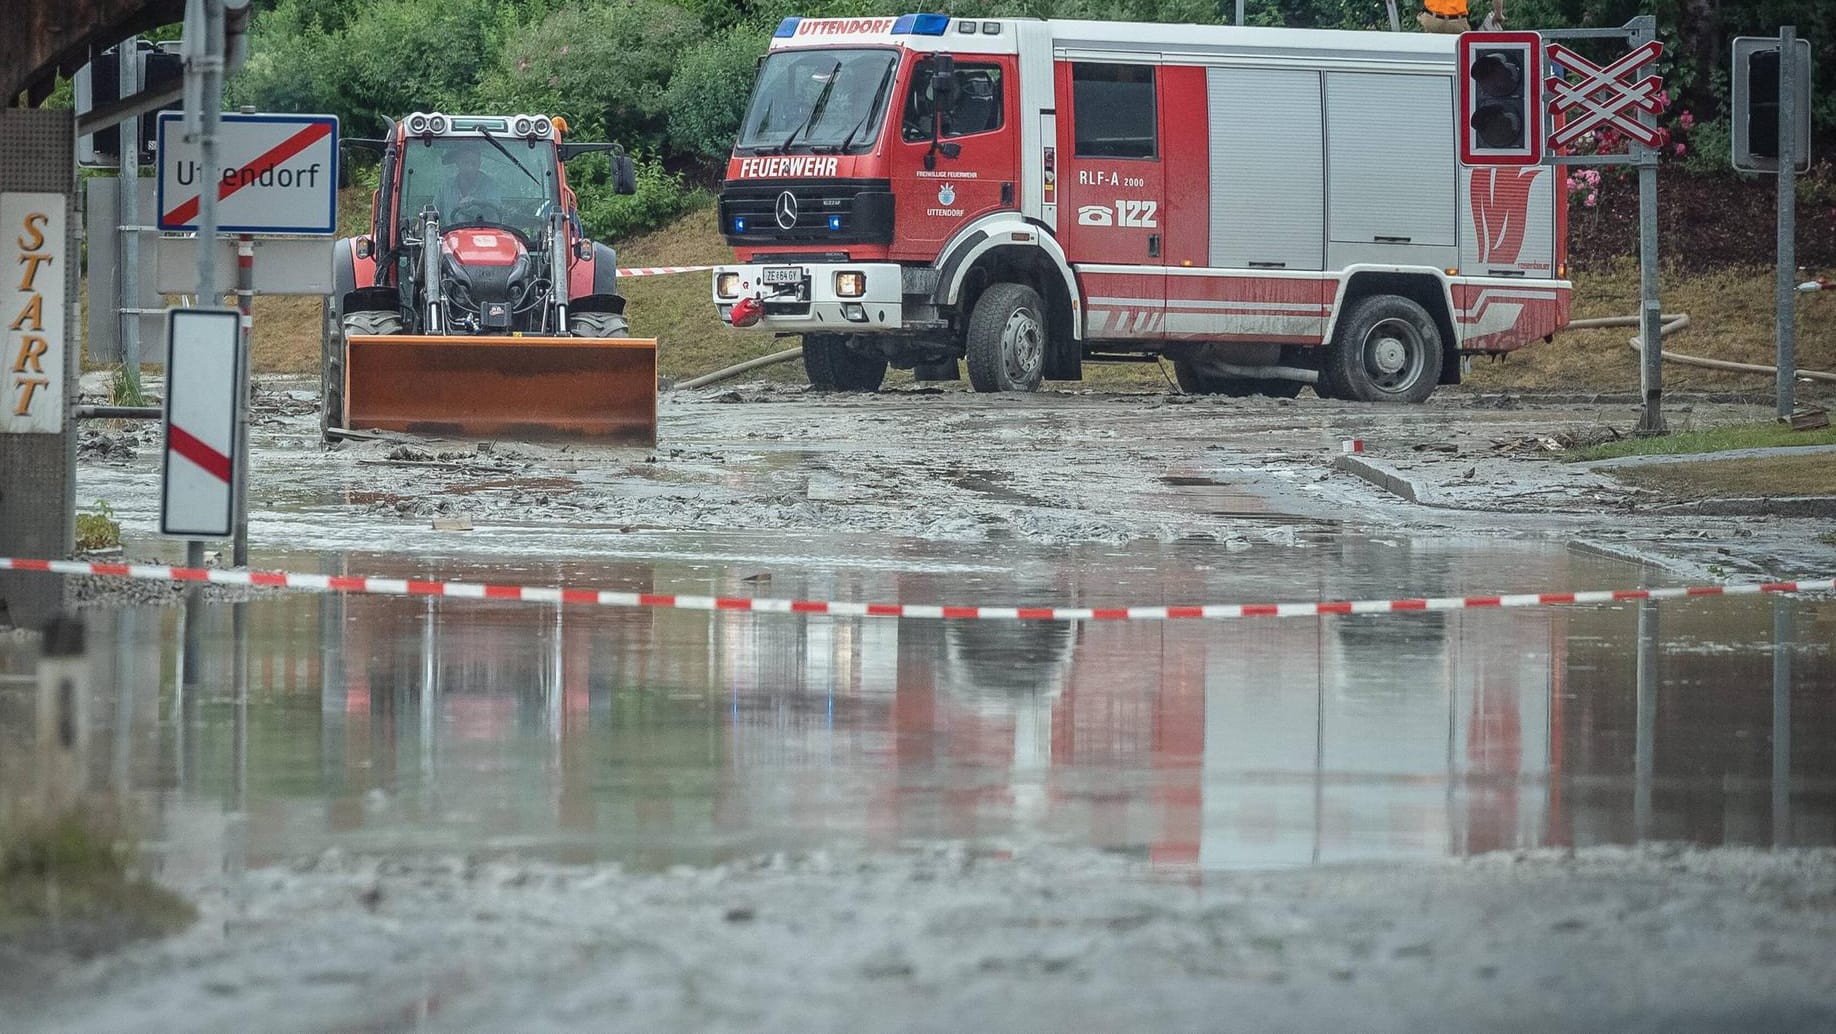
{"points": [[37, 466]]}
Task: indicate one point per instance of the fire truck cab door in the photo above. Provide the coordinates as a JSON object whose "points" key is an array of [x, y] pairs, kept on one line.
{"points": [[937, 194], [1112, 196]]}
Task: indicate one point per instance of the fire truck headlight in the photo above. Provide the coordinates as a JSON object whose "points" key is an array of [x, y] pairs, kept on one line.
{"points": [[727, 285], [850, 284]]}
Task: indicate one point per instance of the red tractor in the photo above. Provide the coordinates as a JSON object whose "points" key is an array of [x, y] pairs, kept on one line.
{"points": [[476, 305]]}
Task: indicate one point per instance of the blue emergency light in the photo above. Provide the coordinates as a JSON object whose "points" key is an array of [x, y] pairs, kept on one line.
{"points": [[739, 225], [787, 28], [834, 224], [921, 25]]}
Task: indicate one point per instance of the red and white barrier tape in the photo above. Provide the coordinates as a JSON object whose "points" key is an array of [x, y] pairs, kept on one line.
{"points": [[596, 597], [662, 270]]}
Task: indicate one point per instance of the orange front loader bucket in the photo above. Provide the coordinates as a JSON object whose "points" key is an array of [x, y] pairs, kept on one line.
{"points": [[528, 388]]}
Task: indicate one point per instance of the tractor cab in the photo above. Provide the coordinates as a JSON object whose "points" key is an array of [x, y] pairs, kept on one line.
{"points": [[480, 180]]}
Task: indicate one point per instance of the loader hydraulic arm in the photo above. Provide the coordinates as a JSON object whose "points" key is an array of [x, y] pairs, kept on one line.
{"points": [[429, 241]]}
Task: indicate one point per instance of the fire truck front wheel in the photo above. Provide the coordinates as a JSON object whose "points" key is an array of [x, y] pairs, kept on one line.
{"points": [[1006, 341], [1387, 349], [833, 366]]}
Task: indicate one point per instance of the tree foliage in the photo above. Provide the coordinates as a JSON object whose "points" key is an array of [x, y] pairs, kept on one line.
{"points": [[670, 78]]}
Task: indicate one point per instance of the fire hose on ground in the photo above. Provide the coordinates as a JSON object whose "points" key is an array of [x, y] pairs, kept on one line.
{"points": [[1672, 322]]}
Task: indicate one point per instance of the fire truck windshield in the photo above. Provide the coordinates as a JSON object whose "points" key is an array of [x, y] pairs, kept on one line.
{"points": [[818, 101]]}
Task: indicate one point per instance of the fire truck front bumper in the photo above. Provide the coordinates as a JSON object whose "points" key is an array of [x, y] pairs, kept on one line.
{"points": [[803, 298]]}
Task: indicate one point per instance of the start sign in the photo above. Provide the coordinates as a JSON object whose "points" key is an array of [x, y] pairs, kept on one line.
{"points": [[32, 296], [273, 174]]}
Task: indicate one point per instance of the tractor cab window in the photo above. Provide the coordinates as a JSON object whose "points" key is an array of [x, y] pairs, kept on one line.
{"points": [[818, 102], [470, 181], [977, 108]]}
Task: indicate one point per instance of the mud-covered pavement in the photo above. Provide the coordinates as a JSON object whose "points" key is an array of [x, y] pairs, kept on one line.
{"points": [[1050, 469], [465, 815]]}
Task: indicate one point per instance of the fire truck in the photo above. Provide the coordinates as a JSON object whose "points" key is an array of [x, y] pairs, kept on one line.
{"points": [[1266, 208]]}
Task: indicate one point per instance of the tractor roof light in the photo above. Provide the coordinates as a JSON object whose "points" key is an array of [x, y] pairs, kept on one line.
{"points": [[417, 123], [543, 127], [437, 124]]}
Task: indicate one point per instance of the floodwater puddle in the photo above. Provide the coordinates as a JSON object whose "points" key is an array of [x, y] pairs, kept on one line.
{"points": [[656, 737]]}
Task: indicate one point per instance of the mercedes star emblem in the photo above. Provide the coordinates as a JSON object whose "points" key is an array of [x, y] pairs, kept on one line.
{"points": [[786, 210]]}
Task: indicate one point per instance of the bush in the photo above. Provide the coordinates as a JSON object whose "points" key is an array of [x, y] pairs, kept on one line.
{"points": [[602, 68], [389, 58], [98, 530], [661, 197], [707, 95]]}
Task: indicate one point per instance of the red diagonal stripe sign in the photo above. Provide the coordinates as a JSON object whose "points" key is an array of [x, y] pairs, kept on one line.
{"points": [[188, 445], [306, 137]]}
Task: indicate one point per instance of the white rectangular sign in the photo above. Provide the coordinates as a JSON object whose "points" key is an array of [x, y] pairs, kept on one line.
{"points": [[283, 265], [203, 378], [274, 174], [32, 229]]}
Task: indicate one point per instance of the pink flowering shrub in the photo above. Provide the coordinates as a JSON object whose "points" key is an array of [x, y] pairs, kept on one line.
{"points": [[1584, 182]]}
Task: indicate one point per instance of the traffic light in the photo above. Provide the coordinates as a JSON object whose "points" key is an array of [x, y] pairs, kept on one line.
{"points": [[99, 82], [1756, 104], [1501, 98]]}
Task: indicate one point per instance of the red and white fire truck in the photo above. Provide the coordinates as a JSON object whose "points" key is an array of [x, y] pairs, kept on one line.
{"points": [[1267, 208]]}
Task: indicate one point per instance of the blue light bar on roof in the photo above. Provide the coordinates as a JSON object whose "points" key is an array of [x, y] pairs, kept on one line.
{"points": [[787, 27], [921, 25]]}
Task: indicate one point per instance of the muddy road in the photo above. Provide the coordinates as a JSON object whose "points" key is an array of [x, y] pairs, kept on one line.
{"points": [[1043, 470]]}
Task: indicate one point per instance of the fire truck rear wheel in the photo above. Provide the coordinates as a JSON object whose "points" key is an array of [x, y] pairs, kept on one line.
{"points": [[834, 366], [1387, 349], [1194, 381], [1006, 342]]}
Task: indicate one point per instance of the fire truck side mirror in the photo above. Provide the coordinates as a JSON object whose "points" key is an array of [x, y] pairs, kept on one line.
{"points": [[1501, 98], [944, 85]]}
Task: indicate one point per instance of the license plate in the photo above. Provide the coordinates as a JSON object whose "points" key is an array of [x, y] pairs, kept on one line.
{"points": [[781, 275]]}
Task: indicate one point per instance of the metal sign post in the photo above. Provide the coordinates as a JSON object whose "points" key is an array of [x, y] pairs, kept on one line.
{"points": [[1605, 95], [1788, 225], [267, 174]]}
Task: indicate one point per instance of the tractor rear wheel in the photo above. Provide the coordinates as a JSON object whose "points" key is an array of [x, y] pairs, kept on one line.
{"points": [[834, 363]]}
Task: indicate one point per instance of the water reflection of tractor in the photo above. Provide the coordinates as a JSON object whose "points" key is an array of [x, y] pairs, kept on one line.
{"points": [[475, 304]]}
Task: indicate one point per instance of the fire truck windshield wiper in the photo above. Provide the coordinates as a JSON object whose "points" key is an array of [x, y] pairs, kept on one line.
{"points": [[879, 92], [822, 101]]}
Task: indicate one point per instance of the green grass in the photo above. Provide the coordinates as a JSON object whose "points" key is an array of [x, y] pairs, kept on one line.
{"points": [[1717, 439], [71, 869]]}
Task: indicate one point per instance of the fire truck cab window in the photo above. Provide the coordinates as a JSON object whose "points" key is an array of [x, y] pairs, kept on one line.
{"points": [[977, 109], [1112, 110]]}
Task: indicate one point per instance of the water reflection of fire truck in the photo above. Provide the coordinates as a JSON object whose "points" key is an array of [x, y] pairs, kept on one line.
{"points": [[1258, 742]]}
